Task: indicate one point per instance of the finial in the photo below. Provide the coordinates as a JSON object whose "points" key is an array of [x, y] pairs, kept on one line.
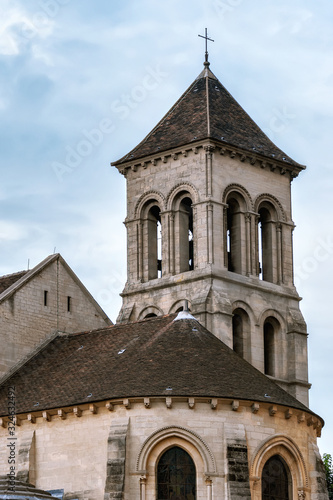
{"points": [[206, 63]]}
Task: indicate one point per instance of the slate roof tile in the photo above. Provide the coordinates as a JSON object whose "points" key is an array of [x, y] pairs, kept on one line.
{"points": [[187, 122], [140, 359], [10, 279]]}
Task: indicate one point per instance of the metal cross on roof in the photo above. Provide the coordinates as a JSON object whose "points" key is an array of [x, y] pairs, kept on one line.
{"points": [[206, 38]]}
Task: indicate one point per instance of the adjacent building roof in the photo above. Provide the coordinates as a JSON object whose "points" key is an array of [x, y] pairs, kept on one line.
{"points": [[9, 284], [153, 357], [207, 110], [10, 279], [12, 489]]}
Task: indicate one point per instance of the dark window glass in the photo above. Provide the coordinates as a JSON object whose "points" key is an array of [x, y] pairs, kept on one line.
{"points": [[176, 476], [275, 480]]}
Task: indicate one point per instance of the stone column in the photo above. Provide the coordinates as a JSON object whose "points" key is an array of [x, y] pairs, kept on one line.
{"points": [[210, 241], [279, 253], [248, 244]]}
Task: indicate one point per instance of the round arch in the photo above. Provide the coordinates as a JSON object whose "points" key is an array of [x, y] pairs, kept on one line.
{"points": [[186, 189], [151, 197], [166, 437], [288, 450], [240, 304], [150, 310], [268, 199], [240, 193], [179, 305], [272, 313]]}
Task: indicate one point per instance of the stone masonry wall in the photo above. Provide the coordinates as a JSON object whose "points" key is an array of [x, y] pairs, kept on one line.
{"points": [[25, 321], [84, 452]]}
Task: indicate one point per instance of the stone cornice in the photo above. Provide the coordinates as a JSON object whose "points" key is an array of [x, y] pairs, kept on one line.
{"points": [[307, 418], [214, 148], [211, 273]]}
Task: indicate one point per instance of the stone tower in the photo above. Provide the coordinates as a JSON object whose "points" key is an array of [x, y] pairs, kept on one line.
{"points": [[209, 221]]}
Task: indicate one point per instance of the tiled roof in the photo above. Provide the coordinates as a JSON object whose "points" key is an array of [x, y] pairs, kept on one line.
{"points": [[195, 117], [153, 357], [10, 279], [12, 489]]}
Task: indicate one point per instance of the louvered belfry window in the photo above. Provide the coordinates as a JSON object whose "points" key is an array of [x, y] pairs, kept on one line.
{"points": [[176, 476]]}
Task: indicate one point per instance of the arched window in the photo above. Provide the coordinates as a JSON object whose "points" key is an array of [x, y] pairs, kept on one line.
{"points": [[240, 332], [176, 476], [271, 331], [275, 481], [185, 236], [154, 243], [267, 243], [234, 236]]}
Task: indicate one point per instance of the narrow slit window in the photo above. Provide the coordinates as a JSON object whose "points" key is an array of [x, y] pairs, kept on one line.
{"points": [[69, 303], [45, 298]]}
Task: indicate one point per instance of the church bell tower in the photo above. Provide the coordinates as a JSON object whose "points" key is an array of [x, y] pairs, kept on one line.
{"points": [[209, 221]]}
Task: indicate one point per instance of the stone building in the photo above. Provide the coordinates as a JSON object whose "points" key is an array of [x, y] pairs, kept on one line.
{"points": [[169, 403], [36, 304]]}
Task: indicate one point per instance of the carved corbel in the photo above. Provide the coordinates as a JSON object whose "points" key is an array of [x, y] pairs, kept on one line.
{"points": [[168, 402], [61, 414], [31, 418], [235, 405], [146, 402], [191, 403], [93, 409], [288, 413], [109, 406], [255, 407], [301, 418], [272, 410], [127, 404], [213, 403], [77, 411], [46, 416]]}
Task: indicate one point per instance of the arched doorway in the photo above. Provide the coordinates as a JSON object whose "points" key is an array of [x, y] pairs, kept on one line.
{"points": [[275, 481], [176, 476]]}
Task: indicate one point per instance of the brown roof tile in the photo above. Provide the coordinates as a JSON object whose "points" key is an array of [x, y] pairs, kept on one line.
{"points": [[187, 122], [155, 357], [10, 279]]}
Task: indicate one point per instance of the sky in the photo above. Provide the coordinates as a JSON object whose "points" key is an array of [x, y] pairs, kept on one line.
{"points": [[75, 95]]}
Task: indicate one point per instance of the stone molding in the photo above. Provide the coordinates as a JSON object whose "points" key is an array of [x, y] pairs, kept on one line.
{"points": [[285, 447], [277, 166], [274, 201], [216, 404], [145, 198], [176, 432], [238, 188]]}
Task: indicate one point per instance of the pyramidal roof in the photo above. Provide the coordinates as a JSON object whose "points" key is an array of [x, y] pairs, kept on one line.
{"points": [[207, 110], [156, 357]]}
